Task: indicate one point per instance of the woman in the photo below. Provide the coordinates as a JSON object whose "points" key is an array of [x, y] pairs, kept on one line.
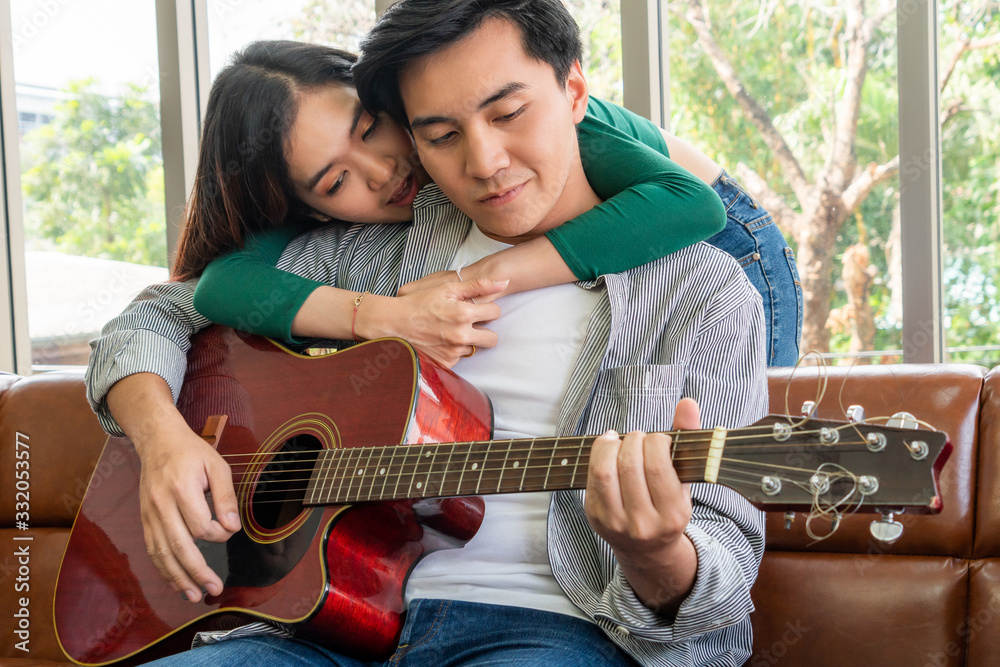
{"points": [[268, 150]]}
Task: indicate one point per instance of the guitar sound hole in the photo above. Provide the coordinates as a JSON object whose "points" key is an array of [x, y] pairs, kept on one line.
{"points": [[281, 487]]}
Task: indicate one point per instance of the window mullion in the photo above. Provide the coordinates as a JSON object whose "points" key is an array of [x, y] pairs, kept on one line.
{"points": [[15, 351], [182, 44], [920, 181]]}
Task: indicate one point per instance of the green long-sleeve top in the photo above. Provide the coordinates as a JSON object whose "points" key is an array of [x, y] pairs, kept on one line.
{"points": [[652, 207]]}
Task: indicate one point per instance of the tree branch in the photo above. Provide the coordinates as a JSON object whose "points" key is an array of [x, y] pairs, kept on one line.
{"points": [[843, 161], [758, 116], [884, 12], [784, 216], [967, 44], [872, 176]]}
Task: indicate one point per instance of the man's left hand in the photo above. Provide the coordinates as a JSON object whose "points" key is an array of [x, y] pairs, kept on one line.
{"points": [[637, 503]]}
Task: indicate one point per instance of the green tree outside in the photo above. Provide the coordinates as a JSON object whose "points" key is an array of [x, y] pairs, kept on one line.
{"points": [[93, 178]]}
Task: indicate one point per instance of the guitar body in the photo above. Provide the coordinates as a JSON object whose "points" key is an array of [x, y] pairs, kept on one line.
{"points": [[336, 573]]}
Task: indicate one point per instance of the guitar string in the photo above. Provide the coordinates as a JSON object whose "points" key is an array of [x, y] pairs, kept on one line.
{"points": [[567, 442], [365, 456], [564, 441], [528, 472], [398, 469], [387, 478], [753, 483]]}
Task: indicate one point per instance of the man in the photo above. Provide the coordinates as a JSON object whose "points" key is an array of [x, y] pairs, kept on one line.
{"points": [[663, 573]]}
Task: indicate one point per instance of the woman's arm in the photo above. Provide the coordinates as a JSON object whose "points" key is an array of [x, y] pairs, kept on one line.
{"points": [[653, 206], [244, 290]]}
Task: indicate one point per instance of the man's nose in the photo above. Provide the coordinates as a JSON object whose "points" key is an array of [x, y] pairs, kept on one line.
{"points": [[485, 154]]}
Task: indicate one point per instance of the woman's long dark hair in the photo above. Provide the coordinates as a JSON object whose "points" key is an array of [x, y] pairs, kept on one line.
{"points": [[242, 185]]}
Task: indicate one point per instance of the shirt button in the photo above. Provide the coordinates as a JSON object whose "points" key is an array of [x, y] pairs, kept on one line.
{"points": [[622, 630]]}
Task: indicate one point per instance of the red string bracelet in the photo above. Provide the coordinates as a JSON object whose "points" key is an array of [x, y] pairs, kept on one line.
{"points": [[354, 318]]}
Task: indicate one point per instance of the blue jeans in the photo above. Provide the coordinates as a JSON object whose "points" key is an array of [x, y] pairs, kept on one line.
{"points": [[756, 242], [438, 633]]}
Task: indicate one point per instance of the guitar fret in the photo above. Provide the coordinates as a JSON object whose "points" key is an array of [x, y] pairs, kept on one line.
{"points": [[447, 467], [389, 473], [378, 470], [465, 466], [548, 468], [314, 476], [349, 469], [562, 472], [576, 465], [503, 468], [420, 453], [486, 462], [527, 464], [476, 461], [337, 475]]}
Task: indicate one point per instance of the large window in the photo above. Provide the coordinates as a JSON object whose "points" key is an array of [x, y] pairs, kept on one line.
{"points": [[799, 100], [969, 65], [601, 33], [91, 167], [340, 23]]}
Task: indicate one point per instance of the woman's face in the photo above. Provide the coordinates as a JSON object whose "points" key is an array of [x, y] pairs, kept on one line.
{"points": [[349, 165]]}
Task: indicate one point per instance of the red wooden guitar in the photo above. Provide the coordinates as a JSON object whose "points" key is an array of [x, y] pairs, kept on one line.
{"points": [[344, 483]]}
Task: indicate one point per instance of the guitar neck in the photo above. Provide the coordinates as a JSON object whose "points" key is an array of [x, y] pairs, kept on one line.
{"points": [[439, 470]]}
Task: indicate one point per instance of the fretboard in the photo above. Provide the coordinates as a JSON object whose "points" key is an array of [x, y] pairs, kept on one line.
{"points": [[359, 474]]}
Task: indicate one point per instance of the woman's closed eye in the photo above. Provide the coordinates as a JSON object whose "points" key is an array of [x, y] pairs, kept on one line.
{"points": [[339, 183], [368, 133]]}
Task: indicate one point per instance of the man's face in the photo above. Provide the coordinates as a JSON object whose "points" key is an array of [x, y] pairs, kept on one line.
{"points": [[496, 132]]}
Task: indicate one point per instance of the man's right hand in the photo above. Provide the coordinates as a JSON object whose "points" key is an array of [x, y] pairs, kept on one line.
{"points": [[178, 467]]}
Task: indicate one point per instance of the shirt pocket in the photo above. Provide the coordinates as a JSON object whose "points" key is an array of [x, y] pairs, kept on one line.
{"points": [[636, 398]]}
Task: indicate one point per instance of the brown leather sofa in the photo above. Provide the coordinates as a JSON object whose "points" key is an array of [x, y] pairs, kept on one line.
{"points": [[932, 598]]}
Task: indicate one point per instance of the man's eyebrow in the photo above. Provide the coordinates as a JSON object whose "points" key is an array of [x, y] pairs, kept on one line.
{"points": [[505, 91], [358, 110]]}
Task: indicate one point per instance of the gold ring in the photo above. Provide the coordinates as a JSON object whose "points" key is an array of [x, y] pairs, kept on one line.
{"points": [[464, 356]]}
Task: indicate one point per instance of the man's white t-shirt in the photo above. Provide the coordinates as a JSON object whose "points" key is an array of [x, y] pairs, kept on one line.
{"points": [[525, 375]]}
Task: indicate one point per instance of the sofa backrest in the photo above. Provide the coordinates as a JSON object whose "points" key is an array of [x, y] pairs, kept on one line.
{"points": [[850, 599]]}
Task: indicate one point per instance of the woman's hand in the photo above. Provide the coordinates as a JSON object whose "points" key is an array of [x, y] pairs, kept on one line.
{"points": [[439, 317], [469, 274]]}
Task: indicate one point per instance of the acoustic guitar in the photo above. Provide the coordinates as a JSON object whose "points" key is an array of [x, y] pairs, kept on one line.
{"points": [[350, 466]]}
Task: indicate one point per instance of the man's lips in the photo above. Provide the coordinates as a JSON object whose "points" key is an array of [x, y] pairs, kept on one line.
{"points": [[405, 193], [501, 197]]}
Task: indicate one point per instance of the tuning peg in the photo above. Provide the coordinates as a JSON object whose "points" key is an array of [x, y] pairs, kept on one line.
{"points": [[903, 420], [886, 530], [789, 518], [809, 409], [855, 414]]}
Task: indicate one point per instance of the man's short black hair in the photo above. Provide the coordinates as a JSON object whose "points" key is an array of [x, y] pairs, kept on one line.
{"points": [[412, 29]]}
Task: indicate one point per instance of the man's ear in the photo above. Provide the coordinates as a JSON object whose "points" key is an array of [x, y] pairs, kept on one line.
{"points": [[576, 89]]}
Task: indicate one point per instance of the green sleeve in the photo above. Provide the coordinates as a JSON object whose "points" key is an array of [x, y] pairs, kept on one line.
{"points": [[652, 206], [244, 290]]}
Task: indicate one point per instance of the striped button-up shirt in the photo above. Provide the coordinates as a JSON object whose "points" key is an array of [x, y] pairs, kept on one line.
{"points": [[686, 325]]}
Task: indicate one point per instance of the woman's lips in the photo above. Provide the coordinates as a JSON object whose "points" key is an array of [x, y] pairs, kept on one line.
{"points": [[406, 192]]}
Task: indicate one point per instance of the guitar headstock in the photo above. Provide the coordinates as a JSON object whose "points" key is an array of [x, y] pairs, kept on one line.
{"points": [[800, 464]]}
